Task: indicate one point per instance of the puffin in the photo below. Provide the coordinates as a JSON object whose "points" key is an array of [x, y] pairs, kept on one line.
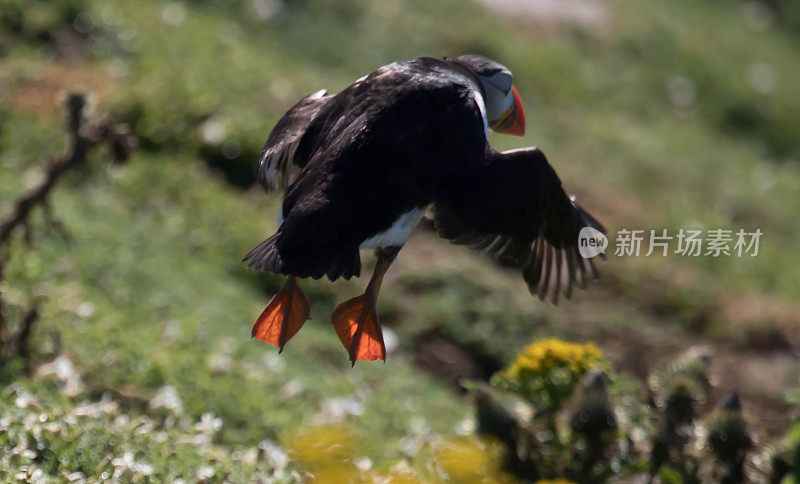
{"points": [[359, 169]]}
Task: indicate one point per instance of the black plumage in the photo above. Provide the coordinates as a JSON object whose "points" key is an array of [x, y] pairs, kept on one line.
{"points": [[512, 205], [408, 136]]}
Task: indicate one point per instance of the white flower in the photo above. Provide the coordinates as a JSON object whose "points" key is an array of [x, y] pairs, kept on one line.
{"points": [[105, 406], [363, 463], [75, 476], [208, 423], [220, 362], [85, 310], [63, 370], [202, 440], [466, 426], [26, 401], [213, 131], [292, 388], [274, 362], [338, 408], [205, 472], [275, 456], [121, 422], [167, 397], [126, 463], [173, 14]]}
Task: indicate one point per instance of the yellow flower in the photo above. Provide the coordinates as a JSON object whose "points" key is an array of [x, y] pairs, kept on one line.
{"points": [[400, 478], [322, 446], [338, 474], [551, 353], [473, 460]]}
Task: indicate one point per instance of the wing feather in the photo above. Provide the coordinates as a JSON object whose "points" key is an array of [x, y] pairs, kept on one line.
{"points": [[514, 208], [278, 166]]}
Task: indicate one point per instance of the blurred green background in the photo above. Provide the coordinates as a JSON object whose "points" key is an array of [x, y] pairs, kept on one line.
{"points": [[655, 114]]}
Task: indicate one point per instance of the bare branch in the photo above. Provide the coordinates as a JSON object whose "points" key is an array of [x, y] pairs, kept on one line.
{"points": [[85, 136], [22, 347], [3, 321]]}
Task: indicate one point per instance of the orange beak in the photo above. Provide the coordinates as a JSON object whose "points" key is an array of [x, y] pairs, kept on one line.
{"points": [[518, 128], [512, 121]]}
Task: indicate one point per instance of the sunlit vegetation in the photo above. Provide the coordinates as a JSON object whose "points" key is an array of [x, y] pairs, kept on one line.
{"points": [[663, 115]]}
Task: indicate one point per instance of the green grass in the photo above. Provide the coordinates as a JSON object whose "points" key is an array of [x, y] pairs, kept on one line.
{"points": [[149, 291]]}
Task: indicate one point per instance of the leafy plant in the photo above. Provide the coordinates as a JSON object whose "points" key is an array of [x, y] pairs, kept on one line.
{"points": [[561, 411]]}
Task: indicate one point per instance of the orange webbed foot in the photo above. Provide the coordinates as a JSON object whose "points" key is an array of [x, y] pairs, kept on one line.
{"points": [[356, 323], [283, 317]]}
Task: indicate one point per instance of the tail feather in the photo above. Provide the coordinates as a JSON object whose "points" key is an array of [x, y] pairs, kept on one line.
{"points": [[267, 257]]}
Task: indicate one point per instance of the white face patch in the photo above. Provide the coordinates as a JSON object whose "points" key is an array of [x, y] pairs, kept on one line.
{"points": [[501, 80], [476, 93], [398, 233], [497, 101], [515, 150], [482, 107]]}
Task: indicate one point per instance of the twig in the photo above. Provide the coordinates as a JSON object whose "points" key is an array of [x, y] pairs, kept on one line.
{"points": [[3, 321], [21, 346], [85, 136]]}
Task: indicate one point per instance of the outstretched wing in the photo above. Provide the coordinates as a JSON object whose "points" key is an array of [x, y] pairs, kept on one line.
{"points": [[513, 207], [278, 165]]}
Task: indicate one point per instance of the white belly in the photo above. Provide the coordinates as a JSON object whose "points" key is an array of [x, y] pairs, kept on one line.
{"points": [[397, 234]]}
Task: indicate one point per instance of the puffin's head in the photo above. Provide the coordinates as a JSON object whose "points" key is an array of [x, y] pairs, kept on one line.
{"points": [[504, 112]]}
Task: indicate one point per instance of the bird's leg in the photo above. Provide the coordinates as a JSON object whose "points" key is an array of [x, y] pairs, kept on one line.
{"points": [[284, 315], [356, 320]]}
